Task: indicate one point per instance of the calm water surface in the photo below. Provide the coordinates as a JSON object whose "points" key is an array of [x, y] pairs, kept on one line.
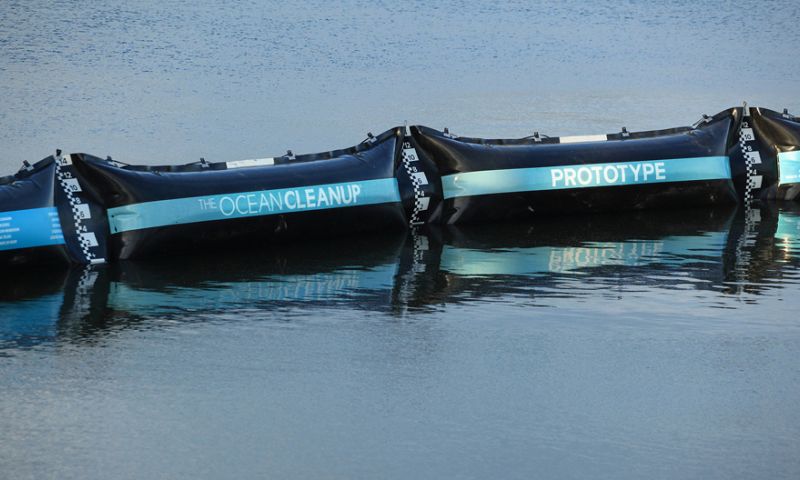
{"points": [[659, 345], [655, 345]]}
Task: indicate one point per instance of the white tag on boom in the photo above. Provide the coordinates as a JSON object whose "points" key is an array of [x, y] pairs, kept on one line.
{"points": [[251, 162]]}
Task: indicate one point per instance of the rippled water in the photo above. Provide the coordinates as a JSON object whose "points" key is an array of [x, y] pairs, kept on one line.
{"points": [[170, 81], [652, 345], [659, 345]]}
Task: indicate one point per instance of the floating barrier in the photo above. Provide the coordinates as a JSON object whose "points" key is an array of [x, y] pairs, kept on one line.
{"points": [[30, 230], [155, 209], [78, 208], [731, 157]]}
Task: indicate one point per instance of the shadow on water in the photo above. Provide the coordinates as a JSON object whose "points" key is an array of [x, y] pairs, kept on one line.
{"points": [[725, 252]]}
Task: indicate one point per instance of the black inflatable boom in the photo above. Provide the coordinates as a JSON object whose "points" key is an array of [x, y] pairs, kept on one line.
{"points": [[79, 208], [169, 208], [739, 155]]}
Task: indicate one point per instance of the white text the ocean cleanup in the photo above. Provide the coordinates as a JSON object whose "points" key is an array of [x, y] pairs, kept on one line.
{"points": [[259, 203]]}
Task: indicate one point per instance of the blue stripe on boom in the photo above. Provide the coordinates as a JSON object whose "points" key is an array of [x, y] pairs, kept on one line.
{"points": [[789, 167], [594, 175], [250, 204]]}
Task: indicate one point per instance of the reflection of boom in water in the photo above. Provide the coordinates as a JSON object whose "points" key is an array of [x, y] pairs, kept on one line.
{"points": [[657, 249], [285, 277], [634, 248], [713, 250], [30, 306], [356, 272], [763, 246]]}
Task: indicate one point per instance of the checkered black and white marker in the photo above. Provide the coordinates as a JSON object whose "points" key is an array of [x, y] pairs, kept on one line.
{"points": [[749, 147], [81, 213], [418, 179]]}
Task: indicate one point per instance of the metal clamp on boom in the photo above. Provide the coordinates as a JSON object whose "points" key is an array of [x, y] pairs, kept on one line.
{"points": [[705, 119], [370, 139]]}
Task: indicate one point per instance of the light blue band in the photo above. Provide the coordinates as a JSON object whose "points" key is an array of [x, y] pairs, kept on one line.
{"points": [[250, 204], [789, 167], [585, 176], [548, 259], [35, 227]]}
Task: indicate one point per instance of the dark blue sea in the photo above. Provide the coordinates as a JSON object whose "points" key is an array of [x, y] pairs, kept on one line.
{"points": [[634, 345]]}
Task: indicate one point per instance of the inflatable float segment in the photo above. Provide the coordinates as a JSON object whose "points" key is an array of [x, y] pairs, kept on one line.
{"points": [[738, 155], [154, 209]]}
